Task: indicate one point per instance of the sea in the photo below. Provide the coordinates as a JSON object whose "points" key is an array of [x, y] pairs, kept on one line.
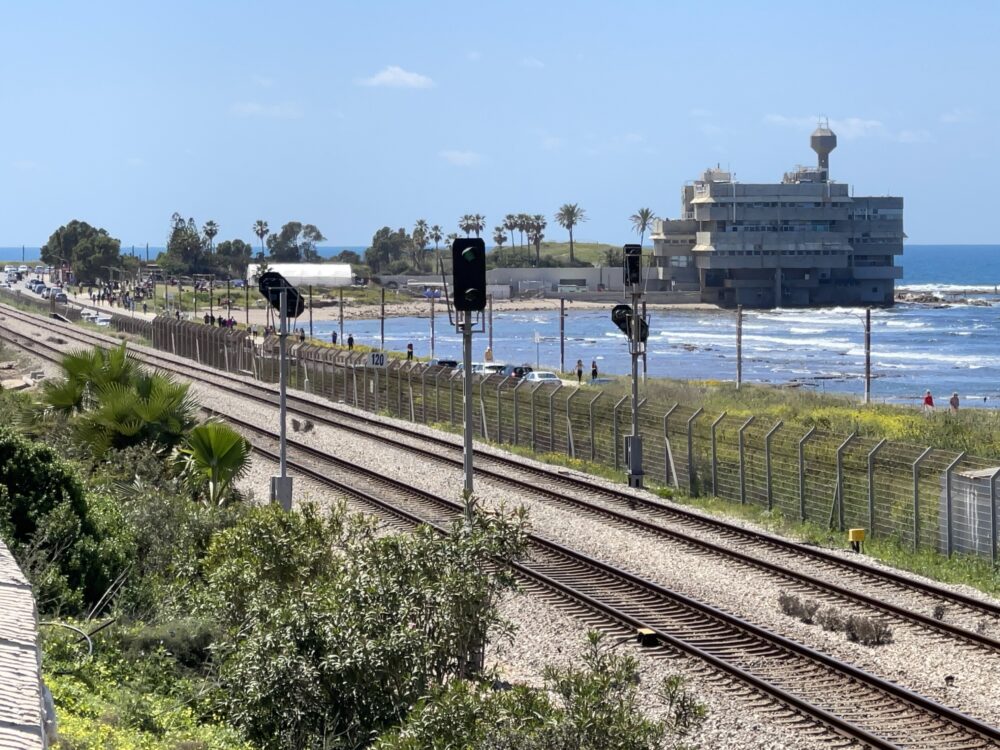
{"points": [[945, 348]]}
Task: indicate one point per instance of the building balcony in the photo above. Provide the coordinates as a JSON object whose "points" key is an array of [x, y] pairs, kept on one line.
{"points": [[873, 273]]}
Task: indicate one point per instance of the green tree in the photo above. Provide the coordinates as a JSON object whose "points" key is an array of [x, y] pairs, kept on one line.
{"points": [[536, 233], [499, 238], [295, 243], [213, 456], [523, 225], [642, 220], [185, 251], [478, 223], [568, 216], [388, 247], [88, 250], [261, 229], [347, 256], [465, 224], [210, 230], [420, 240], [232, 257], [510, 224]]}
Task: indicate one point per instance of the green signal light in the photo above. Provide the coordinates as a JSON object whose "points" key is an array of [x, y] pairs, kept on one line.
{"points": [[469, 255]]}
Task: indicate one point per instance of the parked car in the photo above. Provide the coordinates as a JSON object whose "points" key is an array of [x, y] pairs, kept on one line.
{"points": [[443, 363], [542, 376], [60, 297], [45, 291], [516, 371]]}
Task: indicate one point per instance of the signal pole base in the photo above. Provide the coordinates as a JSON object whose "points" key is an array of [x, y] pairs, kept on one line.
{"points": [[633, 460], [281, 491]]}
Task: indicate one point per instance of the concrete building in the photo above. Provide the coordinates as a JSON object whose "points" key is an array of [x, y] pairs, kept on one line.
{"points": [[804, 241]]}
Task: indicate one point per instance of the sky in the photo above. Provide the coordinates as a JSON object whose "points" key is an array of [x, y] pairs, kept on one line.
{"points": [[357, 115]]}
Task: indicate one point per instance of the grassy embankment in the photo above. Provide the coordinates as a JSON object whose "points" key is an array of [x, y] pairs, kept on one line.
{"points": [[974, 431]]}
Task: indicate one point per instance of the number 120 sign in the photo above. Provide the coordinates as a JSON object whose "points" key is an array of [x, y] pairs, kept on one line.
{"points": [[377, 359]]}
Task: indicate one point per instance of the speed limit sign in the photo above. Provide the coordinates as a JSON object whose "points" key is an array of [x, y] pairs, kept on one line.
{"points": [[377, 359]]}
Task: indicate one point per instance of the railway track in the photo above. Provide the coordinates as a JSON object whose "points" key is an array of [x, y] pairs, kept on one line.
{"points": [[852, 703], [679, 526], [880, 715]]}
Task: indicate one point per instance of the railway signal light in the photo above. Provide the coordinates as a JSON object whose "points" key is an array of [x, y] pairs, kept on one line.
{"points": [[632, 264], [621, 316], [270, 285], [468, 262]]}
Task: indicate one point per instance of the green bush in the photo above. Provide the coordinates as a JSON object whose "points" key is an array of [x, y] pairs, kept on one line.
{"points": [[593, 707], [52, 530], [333, 631]]}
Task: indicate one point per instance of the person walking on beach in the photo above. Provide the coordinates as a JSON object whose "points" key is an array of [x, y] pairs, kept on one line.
{"points": [[593, 370], [409, 352], [928, 402], [579, 371], [953, 402], [333, 337], [350, 342]]}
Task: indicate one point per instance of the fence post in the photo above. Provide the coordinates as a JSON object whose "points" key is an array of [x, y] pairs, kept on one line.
{"points": [[715, 456], [871, 484], [399, 392], [802, 473], [451, 396], [767, 461], [531, 393], [840, 479], [423, 394], [552, 419], [947, 485], [692, 474], [570, 443], [482, 409], [500, 410], [993, 516], [517, 421], [668, 455], [593, 447], [916, 497], [614, 419], [743, 483]]}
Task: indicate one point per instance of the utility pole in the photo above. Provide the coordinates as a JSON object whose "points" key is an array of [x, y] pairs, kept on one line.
{"points": [[562, 335], [381, 320], [739, 346], [432, 327], [341, 339], [644, 348], [868, 356], [310, 311], [489, 319]]}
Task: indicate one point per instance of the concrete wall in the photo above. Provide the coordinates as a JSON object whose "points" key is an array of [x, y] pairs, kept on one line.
{"points": [[21, 722]]}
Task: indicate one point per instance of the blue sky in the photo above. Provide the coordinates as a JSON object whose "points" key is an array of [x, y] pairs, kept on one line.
{"points": [[353, 116]]}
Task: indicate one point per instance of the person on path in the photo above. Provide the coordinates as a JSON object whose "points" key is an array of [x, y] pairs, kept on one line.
{"points": [[333, 337], [593, 370], [953, 402], [928, 401], [145, 308], [350, 342], [302, 335], [579, 371], [409, 352]]}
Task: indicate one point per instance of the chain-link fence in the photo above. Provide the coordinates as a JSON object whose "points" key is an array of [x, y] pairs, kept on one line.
{"points": [[924, 497]]}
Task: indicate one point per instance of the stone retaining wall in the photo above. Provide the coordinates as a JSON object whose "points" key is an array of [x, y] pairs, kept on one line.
{"points": [[21, 714]]}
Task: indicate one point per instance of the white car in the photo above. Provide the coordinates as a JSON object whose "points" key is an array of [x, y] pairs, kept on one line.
{"points": [[22, 269], [542, 376]]}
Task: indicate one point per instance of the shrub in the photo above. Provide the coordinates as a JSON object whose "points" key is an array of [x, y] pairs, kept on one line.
{"points": [[830, 619], [793, 606], [50, 527], [867, 630]]}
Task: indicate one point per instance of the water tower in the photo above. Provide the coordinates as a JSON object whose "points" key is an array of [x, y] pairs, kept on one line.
{"points": [[823, 141]]}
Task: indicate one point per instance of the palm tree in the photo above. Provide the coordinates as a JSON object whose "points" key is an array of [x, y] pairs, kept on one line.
{"points": [[213, 456], [478, 223], [435, 236], [536, 233], [642, 220], [523, 223], [510, 224], [420, 238], [568, 216], [210, 230], [84, 374], [261, 230], [465, 224], [499, 237]]}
